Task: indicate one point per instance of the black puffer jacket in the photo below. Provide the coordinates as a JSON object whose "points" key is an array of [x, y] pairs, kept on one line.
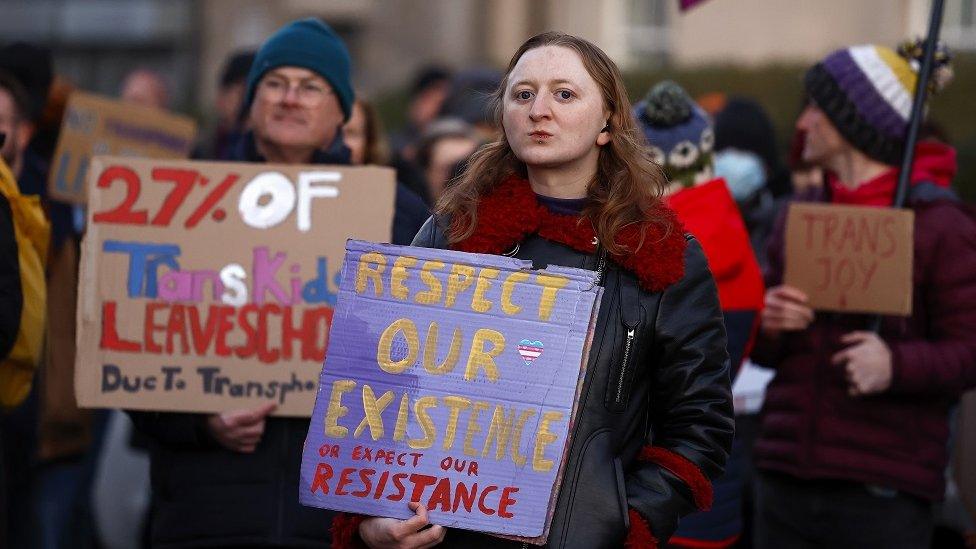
{"points": [[207, 496], [655, 422]]}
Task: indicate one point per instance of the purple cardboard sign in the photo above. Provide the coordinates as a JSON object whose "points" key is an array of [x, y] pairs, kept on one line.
{"points": [[451, 379]]}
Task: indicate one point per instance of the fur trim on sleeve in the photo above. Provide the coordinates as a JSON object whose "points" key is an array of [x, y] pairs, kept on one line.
{"points": [[639, 536], [688, 472], [345, 531]]}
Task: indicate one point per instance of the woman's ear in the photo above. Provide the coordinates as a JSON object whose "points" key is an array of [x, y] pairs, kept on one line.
{"points": [[603, 137]]}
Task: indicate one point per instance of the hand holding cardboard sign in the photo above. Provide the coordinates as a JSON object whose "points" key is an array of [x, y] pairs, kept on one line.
{"points": [[868, 363], [240, 430], [401, 534], [785, 310]]}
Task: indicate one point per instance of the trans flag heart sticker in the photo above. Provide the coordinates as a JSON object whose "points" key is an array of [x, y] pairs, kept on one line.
{"points": [[530, 350]]}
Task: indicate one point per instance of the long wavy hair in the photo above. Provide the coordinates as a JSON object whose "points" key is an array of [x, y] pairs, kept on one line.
{"points": [[626, 187]]}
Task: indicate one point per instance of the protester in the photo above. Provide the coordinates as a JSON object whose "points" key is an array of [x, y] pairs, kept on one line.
{"points": [[227, 107], [571, 166], [367, 143], [468, 98], [23, 237], [49, 469], [11, 304], [363, 134], [682, 138], [28, 300], [852, 451], [445, 142], [145, 87], [18, 419], [427, 95], [744, 125], [231, 479], [748, 158]]}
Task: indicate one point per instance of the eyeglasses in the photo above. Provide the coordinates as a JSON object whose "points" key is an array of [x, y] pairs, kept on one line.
{"points": [[309, 93]]}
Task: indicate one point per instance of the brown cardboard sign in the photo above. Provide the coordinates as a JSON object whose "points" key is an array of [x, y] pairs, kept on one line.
{"points": [[852, 259], [210, 286], [96, 125]]}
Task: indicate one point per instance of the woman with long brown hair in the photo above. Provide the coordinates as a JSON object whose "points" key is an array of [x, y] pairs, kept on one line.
{"points": [[570, 183]]}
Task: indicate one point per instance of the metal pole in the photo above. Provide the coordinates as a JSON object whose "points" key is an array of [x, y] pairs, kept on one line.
{"points": [[918, 105], [915, 121]]}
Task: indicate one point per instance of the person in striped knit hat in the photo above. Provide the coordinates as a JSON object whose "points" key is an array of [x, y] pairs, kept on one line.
{"points": [[852, 448], [866, 92]]}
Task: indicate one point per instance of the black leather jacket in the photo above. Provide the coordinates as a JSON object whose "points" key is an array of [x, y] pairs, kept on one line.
{"points": [[667, 387]]}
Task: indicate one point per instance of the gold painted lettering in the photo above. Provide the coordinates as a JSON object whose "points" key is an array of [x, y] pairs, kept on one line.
{"points": [[456, 404], [372, 412], [518, 458], [550, 287], [400, 430], [385, 346], [336, 410], [430, 352], [398, 274], [473, 428], [543, 438], [480, 358], [479, 303], [420, 407], [508, 287], [499, 432], [371, 266], [460, 279], [433, 295]]}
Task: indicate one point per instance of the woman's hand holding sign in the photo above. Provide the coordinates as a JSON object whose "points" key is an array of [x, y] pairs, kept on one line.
{"points": [[240, 430], [402, 534], [786, 310]]}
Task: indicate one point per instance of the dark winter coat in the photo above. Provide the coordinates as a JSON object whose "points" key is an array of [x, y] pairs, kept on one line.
{"points": [[655, 422], [812, 428], [709, 212], [11, 297], [205, 495]]}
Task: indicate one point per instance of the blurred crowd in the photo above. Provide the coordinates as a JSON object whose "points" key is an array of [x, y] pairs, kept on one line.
{"points": [[81, 478]]}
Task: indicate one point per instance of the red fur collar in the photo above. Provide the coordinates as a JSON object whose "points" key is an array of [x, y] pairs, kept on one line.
{"points": [[510, 212]]}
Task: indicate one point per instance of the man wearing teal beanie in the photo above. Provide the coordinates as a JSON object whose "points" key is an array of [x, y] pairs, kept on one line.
{"points": [[231, 479], [309, 44]]}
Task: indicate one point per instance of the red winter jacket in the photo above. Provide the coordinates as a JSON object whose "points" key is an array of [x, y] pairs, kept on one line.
{"points": [[709, 212], [812, 429]]}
